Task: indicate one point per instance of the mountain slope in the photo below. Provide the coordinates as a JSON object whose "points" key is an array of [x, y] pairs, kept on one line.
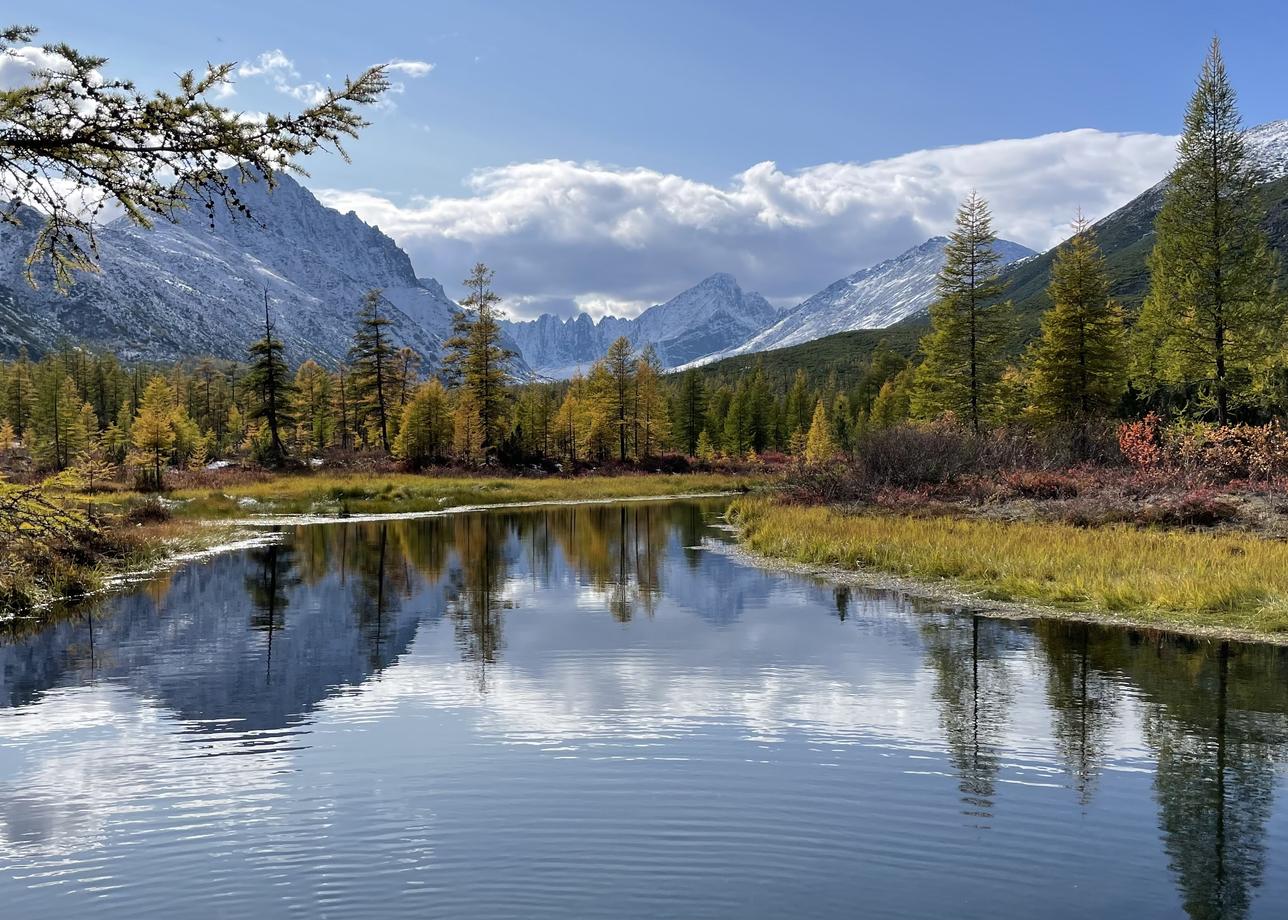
{"points": [[713, 314], [192, 288], [871, 298], [1126, 237]]}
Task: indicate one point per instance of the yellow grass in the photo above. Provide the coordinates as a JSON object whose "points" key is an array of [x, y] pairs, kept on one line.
{"points": [[1177, 578], [408, 492]]}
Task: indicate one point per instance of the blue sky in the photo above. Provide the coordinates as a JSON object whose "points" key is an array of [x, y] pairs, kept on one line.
{"points": [[659, 107]]}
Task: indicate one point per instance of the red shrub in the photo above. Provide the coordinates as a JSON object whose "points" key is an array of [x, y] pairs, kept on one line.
{"points": [[1139, 442]]}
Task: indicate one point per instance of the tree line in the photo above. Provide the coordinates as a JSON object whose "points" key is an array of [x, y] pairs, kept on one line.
{"points": [[1209, 343]]}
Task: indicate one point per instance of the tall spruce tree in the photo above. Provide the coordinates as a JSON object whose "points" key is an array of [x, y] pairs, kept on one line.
{"points": [[268, 380], [1211, 313], [616, 392], [1078, 363], [478, 362], [373, 359], [970, 324]]}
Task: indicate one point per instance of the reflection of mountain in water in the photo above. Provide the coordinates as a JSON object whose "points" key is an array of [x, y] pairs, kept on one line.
{"points": [[240, 639]]}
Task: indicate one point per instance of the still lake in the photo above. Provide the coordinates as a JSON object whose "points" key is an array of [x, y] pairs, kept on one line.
{"points": [[601, 711]]}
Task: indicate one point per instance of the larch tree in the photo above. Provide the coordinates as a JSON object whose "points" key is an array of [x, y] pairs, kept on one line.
{"points": [[691, 407], [425, 432], [478, 361], [970, 324], [272, 390], [312, 406], [615, 395], [373, 359], [820, 446], [74, 141], [1078, 363], [152, 430], [1212, 312], [652, 424]]}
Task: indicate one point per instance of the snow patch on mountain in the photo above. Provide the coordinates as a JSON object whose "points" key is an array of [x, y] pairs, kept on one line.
{"points": [[713, 314], [196, 286], [871, 298]]}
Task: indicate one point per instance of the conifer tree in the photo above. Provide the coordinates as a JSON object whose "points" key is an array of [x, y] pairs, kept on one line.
{"points": [[691, 408], [652, 424], [19, 395], [477, 360], [616, 391], [425, 432], [79, 139], [152, 431], [970, 326], [57, 430], [312, 406], [269, 382], [1211, 312], [705, 451], [372, 357], [1077, 365], [820, 446]]}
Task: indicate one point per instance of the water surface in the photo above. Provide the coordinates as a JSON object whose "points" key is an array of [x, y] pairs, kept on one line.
{"points": [[600, 712]]}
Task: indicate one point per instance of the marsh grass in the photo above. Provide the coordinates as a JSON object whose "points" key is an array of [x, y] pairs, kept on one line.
{"points": [[384, 493], [1179, 578]]}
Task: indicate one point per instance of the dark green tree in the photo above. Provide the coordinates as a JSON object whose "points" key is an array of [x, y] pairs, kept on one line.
{"points": [[1078, 363], [272, 390], [970, 324], [1211, 314], [372, 357], [691, 407], [476, 358]]}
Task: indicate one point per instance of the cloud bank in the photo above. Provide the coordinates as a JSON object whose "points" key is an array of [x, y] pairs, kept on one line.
{"points": [[562, 234]]}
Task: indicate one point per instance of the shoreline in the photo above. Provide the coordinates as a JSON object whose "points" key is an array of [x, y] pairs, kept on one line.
{"points": [[945, 591]]}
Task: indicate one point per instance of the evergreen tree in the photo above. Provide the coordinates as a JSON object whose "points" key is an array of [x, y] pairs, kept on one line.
{"points": [[478, 361], [269, 380], [1077, 363], [798, 405], [19, 395], [1210, 314], [373, 358], [819, 443], [691, 407], [963, 352]]}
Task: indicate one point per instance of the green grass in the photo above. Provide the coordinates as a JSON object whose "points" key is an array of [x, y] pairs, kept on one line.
{"points": [[1173, 578], [406, 492]]}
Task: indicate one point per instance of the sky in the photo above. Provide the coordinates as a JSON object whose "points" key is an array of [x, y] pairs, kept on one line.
{"points": [[604, 156]]}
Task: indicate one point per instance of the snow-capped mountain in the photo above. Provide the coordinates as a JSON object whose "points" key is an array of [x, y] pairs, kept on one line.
{"points": [[193, 288], [871, 298], [712, 315], [1267, 145]]}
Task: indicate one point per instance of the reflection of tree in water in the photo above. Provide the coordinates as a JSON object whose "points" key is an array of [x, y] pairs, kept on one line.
{"points": [[272, 576], [382, 579], [842, 595], [1216, 717], [1215, 775], [616, 550], [972, 688], [476, 596], [1081, 699]]}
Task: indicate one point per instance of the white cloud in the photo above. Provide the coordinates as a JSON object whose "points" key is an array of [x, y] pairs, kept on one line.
{"points": [[269, 63], [280, 71], [413, 69], [564, 233]]}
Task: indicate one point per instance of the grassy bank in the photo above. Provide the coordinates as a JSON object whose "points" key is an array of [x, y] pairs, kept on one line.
{"points": [[1174, 578], [354, 493]]}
